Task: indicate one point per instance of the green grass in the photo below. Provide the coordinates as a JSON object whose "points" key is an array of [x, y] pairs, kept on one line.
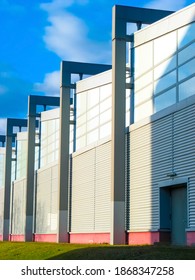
{"points": [[53, 251]]}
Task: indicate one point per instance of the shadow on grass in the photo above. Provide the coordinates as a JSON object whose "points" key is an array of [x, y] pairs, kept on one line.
{"points": [[129, 253]]}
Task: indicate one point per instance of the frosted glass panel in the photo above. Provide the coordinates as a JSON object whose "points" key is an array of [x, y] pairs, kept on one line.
{"points": [[165, 67], [164, 47], [143, 95], [186, 35], [143, 58], [143, 110], [144, 81]]}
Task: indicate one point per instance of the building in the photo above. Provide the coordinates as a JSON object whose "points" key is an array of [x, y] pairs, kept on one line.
{"points": [[113, 162]]}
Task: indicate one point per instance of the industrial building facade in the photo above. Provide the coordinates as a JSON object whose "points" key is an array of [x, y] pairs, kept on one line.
{"points": [[112, 160]]}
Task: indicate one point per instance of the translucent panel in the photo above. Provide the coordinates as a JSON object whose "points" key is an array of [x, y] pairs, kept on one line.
{"points": [[165, 67], [143, 110], [106, 104], [186, 70], [93, 123], [143, 95], [106, 116], [186, 35], [186, 54], [105, 91], [165, 82], [81, 130], [92, 136], [143, 81], [81, 142], [105, 130], [81, 120], [187, 89], [143, 58], [81, 103], [165, 100], [21, 159], [93, 113], [92, 98], [164, 47]]}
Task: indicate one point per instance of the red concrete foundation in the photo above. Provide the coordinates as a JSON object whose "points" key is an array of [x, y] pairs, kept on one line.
{"points": [[84, 238], [142, 238], [45, 237], [190, 236], [1, 237], [17, 237]]}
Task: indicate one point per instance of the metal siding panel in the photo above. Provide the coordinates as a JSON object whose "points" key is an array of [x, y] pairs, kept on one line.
{"points": [[46, 200], [150, 161], [184, 154], [18, 207], [103, 187], [91, 186], [1, 209]]}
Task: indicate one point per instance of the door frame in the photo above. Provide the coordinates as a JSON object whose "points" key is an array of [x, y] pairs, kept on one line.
{"points": [[169, 184]]}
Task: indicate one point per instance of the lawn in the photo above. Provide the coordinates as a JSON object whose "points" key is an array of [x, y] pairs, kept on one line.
{"points": [[62, 251]]}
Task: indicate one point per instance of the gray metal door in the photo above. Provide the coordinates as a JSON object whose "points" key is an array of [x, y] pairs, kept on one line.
{"points": [[179, 215]]}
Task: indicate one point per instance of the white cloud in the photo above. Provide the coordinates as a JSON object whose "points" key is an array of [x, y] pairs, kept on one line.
{"points": [[67, 35], [50, 85], [166, 4], [3, 123]]}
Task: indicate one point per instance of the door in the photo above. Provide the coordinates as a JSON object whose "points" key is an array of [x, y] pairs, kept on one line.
{"points": [[178, 215]]}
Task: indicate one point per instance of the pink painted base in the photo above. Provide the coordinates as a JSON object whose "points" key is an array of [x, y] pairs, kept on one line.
{"points": [[1, 237], [17, 237], [142, 238], [84, 238], [45, 237], [190, 236]]}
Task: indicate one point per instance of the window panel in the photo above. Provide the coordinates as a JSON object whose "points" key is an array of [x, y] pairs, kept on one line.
{"points": [[165, 100], [105, 91], [165, 67], [143, 95], [186, 70], [143, 110], [165, 82], [187, 89], [186, 54], [144, 81]]}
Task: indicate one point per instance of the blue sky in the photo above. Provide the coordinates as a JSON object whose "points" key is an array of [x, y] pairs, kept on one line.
{"points": [[36, 35]]}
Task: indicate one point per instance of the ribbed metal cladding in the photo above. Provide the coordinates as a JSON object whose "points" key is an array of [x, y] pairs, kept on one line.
{"points": [[18, 207], [184, 154], [46, 200], [91, 190], [150, 161], [1, 209]]}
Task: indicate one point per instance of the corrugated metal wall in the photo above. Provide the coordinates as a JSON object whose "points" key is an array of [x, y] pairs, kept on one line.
{"points": [[18, 207], [184, 154], [1, 209], [157, 149], [91, 190], [46, 200]]}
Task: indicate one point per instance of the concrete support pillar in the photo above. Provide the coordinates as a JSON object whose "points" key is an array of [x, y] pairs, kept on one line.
{"points": [[30, 171], [118, 132], [7, 192], [63, 160], [10, 136]]}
